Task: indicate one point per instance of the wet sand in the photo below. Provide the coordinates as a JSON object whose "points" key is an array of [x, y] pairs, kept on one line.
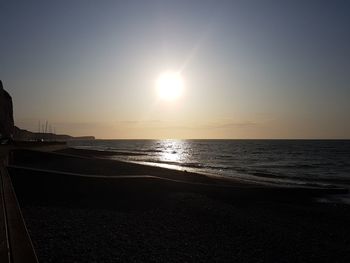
{"points": [[171, 216]]}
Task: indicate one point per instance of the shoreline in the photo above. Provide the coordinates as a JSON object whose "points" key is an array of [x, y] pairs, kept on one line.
{"points": [[95, 209], [106, 154]]}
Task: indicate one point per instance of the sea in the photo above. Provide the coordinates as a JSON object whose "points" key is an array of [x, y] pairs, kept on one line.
{"points": [[324, 163]]}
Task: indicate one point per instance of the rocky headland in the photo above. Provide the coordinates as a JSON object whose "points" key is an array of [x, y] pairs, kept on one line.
{"points": [[6, 114], [9, 131]]}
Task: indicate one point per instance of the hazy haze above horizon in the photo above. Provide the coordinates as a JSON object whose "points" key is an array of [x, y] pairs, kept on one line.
{"points": [[251, 69]]}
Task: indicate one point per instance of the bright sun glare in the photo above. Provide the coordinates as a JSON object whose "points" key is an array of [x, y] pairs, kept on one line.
{"points": [[170, 86]]}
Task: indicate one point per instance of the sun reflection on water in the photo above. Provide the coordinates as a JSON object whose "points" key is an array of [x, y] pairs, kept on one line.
{"points": [[174, 151]]}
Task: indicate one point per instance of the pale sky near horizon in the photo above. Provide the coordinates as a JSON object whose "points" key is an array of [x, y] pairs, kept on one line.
{"points": [[251, 69]]}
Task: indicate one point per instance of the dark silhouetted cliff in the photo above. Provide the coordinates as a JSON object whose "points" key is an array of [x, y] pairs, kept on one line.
{"points": [[6, 114], [9, 131]]}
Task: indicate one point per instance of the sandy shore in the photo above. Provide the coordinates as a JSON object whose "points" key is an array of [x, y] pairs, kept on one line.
{"points": [[87, 219]]}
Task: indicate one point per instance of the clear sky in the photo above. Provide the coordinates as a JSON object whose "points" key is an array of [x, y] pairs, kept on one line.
{"points": [[250, 69]]}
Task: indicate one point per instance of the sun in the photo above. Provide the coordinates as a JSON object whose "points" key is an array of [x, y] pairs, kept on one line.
{"points": [[169, 86]]}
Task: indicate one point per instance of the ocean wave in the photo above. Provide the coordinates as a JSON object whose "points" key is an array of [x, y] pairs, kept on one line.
{"points": [[301, 178], [181, 164], [288, 166], [147, 150]]}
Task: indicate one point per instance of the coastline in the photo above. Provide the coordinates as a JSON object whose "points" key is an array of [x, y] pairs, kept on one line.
{"points": [[106, 154], [270, 162], [137, 219]]}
